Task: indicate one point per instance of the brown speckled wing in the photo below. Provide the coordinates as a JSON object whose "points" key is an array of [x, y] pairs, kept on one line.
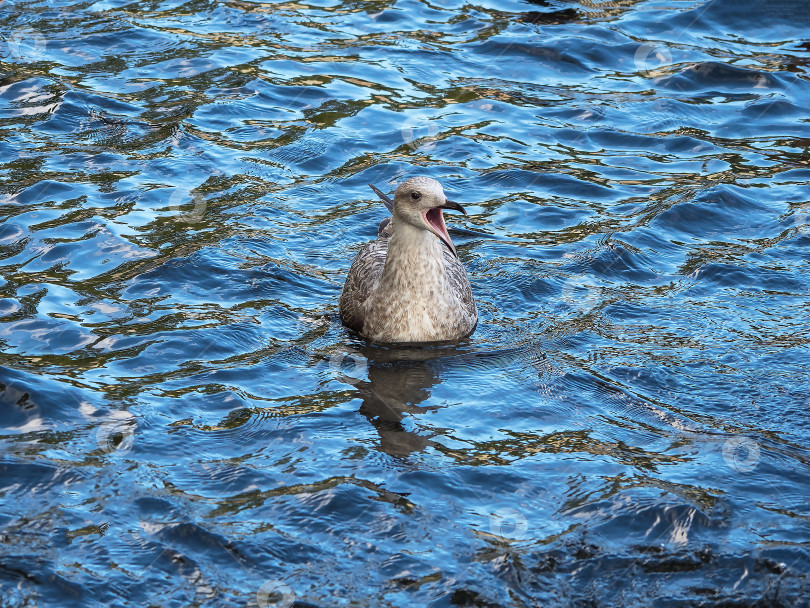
{"points": [[366, 269]]}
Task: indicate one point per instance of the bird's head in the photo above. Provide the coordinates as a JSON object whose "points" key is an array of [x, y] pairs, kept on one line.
{"points": [[419, 202]]}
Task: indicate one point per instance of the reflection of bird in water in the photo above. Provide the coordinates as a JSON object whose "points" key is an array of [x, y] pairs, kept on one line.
{"points": [[392, 391], [400, 379], [408, 285]]}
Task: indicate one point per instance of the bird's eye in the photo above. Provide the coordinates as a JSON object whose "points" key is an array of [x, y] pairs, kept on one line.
{"points": [[416, 196]]}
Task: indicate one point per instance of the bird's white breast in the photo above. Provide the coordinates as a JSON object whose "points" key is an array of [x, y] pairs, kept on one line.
{"points": [[412, 301]]}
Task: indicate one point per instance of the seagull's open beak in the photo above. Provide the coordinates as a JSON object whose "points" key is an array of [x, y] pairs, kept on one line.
{"points": [[434, 218], [454, 206]]}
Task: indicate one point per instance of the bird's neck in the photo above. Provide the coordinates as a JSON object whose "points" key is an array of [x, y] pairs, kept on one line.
{"points": [[414, 254], [413, 300]]}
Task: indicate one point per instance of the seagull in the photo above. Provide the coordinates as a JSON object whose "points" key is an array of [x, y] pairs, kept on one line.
{"points": [[409, 285]]}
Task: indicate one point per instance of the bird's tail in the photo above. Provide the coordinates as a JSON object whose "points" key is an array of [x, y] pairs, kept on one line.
{"points": [[388, 202]]}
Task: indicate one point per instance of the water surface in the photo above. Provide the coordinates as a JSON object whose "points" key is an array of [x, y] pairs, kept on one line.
{"points": [[184, 420]]}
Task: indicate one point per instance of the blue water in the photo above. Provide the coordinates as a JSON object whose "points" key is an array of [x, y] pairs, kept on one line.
{"points": [[185, 422]]}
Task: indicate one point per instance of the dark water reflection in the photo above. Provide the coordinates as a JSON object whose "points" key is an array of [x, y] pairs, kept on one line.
{"points": [[400, 379], [391, 393], [183, 421]]}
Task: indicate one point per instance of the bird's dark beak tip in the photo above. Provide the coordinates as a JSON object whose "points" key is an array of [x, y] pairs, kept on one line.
{"points": [[448, 204]]}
